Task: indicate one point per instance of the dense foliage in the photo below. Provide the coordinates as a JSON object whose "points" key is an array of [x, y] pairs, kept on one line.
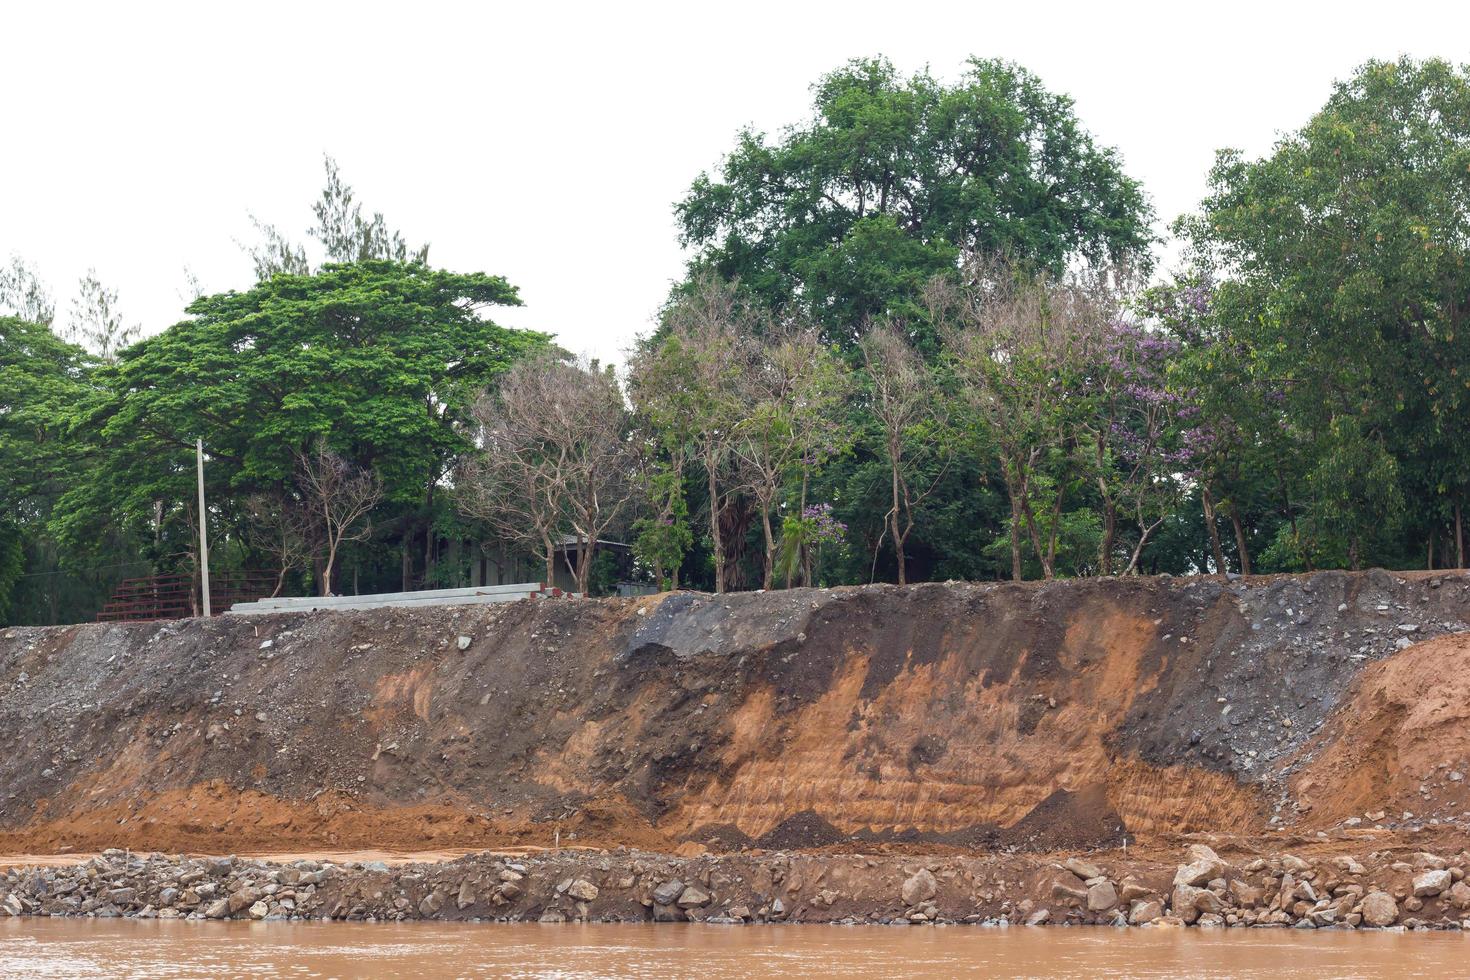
{"points": [[917, 340]]}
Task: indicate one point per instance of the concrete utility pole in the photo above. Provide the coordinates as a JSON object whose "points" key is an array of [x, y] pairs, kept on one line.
{"points": [[203, 533]]}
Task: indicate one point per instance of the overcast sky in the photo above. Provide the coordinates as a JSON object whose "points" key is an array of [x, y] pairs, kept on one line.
{"points": [[548, 142]]}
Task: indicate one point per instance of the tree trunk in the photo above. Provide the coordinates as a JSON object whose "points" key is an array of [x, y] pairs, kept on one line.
{"points": [[1110, 527], [1218, 553], [550, 561], [1459, 540], [1244, 552], [716, 539], [1015, 537], [893, 513], [327, 570], [769, 570]]}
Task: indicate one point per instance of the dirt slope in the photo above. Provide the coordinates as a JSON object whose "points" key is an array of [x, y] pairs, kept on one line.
{"points": [[1040, 716]]}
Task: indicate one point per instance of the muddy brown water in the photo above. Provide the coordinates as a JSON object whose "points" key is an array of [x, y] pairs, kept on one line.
{"points": [[84, 948]]}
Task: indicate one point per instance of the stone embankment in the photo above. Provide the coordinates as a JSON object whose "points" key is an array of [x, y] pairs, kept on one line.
{"points": [[1377, 889]]}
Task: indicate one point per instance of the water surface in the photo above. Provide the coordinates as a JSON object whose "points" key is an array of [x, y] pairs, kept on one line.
{"points": [[84, 948]]}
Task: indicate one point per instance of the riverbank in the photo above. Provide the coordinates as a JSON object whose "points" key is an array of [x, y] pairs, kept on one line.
{"points": [[1320, 884]]}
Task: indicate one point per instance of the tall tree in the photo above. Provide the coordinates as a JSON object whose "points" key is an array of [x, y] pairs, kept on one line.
{"points": [[342, 231], [892, 179], [687, 380], [96, 322], [1342, 259], [24, 295], [906, 402], [383, 358], [1020, 349]]}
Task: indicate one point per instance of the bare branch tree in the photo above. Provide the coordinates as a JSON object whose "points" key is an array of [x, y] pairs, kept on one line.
{"points": [[789, 387], [339, 496], [689, 382], [905, 400], [277, 525], [1018, 346]]}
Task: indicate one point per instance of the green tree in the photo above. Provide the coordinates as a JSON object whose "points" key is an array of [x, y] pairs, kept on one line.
{"points": [[381, 358], [1342, 258], [44, 382], [892, 179]]}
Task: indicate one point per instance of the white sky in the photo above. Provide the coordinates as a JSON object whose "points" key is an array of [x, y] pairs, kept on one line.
{"points": [[548, 142]]}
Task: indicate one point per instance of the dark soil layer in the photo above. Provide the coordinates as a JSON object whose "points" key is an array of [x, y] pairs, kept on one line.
{"points": [[1041, 717]]}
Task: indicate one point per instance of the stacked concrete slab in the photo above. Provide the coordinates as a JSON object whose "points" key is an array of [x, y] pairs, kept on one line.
{"points": [[477, 595]]}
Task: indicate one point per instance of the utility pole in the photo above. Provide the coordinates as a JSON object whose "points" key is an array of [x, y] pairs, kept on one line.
{"points": [[203, 534]]}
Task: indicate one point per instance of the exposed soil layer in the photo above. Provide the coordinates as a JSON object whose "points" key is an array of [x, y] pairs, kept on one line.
{"points": [[934, 717]]}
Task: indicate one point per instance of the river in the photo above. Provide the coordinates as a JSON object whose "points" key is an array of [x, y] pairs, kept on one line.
{"points": [[83, 948]]}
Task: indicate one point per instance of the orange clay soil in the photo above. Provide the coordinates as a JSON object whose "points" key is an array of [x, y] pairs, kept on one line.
{"points": [[931, 718]]}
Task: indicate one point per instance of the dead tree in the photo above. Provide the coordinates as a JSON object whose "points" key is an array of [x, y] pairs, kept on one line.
{"points": [[911, 415], [339, 496]]}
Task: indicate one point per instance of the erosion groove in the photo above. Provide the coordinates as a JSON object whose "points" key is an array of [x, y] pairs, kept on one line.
{"points": [[1040, 716]]}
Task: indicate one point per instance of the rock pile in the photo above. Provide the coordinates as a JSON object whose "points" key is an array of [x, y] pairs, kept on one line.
{"points": [[1379, 889], [1281, 891]]}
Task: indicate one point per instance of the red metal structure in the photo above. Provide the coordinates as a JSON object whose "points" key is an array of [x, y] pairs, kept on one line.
{"points": [[173, 596]]}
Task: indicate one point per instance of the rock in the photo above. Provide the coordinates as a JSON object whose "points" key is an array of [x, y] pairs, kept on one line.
{"points": [[739, 912], [466, 896], [1131, 890], [1204, 864], [1101, 897], [1068, 887], [553, 916], [693, 897], [463, 642], [1039, 917], [1379, 909], [243, 899], [1295, 864], [430, 905], [1460, 895], [668, 892], [1431, 883], [509, 890], [1349, 865], [920, 887], [1082, 868], [122, 896], [1244, 894], [11, 905], [1145, 911], [582, 890], [259, 911], [1432, 862], [218, 910]]}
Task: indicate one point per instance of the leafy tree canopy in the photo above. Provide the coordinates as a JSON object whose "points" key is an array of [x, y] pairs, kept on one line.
{"points": [[380, 357], [893, 178]]}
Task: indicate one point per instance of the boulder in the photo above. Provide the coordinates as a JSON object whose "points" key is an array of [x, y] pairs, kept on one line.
{"points": [[218, 910], [1101, 897], [1203, 865], [1145, 911], [243, 899], [693, 897], [668, 892], [1130, 889], [1379, 909], [1460, 895], [466, 896], [1039, 917], [582, 890], [1082, 868], [919, 887], [1431, 883], [259, 911]]}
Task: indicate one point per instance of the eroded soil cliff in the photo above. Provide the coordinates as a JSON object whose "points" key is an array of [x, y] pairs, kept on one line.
{"points": [[931, 717]]}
